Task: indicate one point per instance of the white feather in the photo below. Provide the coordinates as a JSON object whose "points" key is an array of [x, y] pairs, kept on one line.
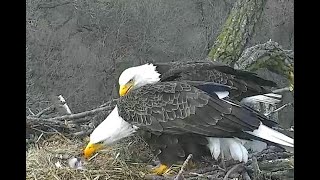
{"points": [[230, 147], [269, 98], [214, 146], [222, 94], [112, 129], [142, 75], [265, 98], [235, 151], [243, 148], [230, 102], [269, 134], [279, 96], [244, 153]]}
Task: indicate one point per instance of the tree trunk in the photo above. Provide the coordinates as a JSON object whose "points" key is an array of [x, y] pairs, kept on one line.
{"points": [[236, 31], [229, 49]]}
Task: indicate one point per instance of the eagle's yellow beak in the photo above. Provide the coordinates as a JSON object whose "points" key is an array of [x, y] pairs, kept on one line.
{"points": [[91, 149], [124, 89]]}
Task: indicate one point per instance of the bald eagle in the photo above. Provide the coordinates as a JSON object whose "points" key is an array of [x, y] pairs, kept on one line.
{"points": [[247, 86], [183, 117]]}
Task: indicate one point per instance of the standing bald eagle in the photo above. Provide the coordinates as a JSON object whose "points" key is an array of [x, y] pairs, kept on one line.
{"points": [[245, 84], [197, 120], [201, 123]]}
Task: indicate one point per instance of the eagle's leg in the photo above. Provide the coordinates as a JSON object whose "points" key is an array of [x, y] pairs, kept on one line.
{"points": [[160, 170], [222, 160]]}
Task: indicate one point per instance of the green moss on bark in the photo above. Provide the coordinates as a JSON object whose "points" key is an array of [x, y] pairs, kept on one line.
{"points": [[236, 31]]}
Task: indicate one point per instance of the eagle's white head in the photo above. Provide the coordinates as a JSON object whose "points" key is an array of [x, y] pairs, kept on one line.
{"points": [[111, 130], [136, 77]]}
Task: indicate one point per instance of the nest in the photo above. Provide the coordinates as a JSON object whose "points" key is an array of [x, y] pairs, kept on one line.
{"points": [[131, 159], [48, 159]]}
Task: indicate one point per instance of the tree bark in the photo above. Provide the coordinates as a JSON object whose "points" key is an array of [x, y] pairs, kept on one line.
{"points": [[236, 31], [268, 55], [229, 49]]}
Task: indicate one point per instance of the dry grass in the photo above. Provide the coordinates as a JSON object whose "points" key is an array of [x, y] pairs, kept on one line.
{"points": [[126, 160], [117, 162]]}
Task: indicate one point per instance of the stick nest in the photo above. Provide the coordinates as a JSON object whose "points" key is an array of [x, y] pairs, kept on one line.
{"points": [[48, 159]]}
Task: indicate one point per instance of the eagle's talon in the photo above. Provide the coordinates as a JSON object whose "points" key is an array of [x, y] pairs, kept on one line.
{"points": [[160, 170]]}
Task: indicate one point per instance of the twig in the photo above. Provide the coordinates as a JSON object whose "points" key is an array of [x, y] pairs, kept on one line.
{"points": [[286, 89], [39, 137], [179, 175], [280, 129], [50, 108], [109, 103], [55, 176], [255, 166], [49, 121], [36, 129], [279, 109], [245, 175], [34, 176], [68, 140], [82, 133], [231, 170], [31, 111], [58, 120], [95, 155]]}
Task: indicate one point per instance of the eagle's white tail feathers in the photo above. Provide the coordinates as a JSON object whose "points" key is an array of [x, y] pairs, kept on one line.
{"points": [[244, 153], [269, 134], [214, 146], [231, 148], [237, 149], [270, 98]]}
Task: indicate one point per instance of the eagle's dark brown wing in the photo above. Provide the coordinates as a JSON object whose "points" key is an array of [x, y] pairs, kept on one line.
{"points": [[179, 108], [247, 83]]}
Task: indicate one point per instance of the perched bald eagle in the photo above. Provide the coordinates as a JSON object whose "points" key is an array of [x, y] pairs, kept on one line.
{"points": [[183, 117], [245, 84]]}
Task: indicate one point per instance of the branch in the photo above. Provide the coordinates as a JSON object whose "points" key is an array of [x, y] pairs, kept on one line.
{"points": [[286, 89], [268, 55], [245, 175], [34, 120], [236, 31], [83, 133], [58, 120], [71, 124], [31, 112], [48, 109], [279, 109], [231, 170], [179, 175]]}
